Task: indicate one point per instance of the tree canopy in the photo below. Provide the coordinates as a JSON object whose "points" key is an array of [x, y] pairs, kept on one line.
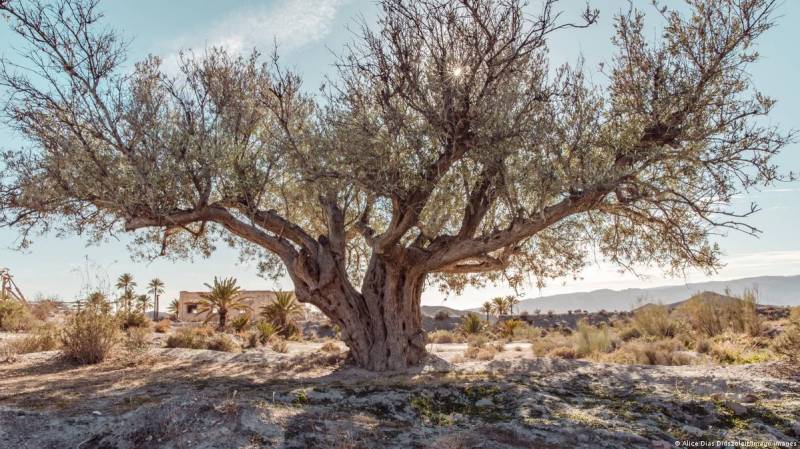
{"points": [[445, 144]]}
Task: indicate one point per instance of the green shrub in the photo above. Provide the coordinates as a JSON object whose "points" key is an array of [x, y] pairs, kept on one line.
{"points": [[241, 322], [471, 324], [591, 339], [265, 331], [89, 336], [507, 328]]}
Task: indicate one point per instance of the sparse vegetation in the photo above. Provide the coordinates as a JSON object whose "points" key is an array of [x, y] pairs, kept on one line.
{"points": [[654, 320], [590, 340], [284, 312], [222, 298], [15, 316], [162, 326], [471, 324], [43, 338], [280, 345], [89, 336], [265, 331]]}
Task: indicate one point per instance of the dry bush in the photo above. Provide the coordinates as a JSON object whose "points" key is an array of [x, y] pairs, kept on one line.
{"points": [[280, 345], [444, 336], [730, 348], [89, 336], [564, 352], [640, 352], [330, 347], [794, 315], [477, 340], [508, 328], [527, 332], [542, 346], [480, 353], [499, 346], [163, 326], [590, 340], [442, 315], [43, 309], [222, 342], [132, 319], [654, 320], [715, 315], [189, 337], [15, 316], [44, 338], [137, 339], [629, 333], [787, 344], [702, 345]]}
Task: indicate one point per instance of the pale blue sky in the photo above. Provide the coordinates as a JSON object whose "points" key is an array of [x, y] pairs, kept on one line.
{"points": [[307, 31]]}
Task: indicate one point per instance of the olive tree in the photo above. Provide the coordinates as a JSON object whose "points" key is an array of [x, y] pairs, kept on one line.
{"points": [[444, 151]]}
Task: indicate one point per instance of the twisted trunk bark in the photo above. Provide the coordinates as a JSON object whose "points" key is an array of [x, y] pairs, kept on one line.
{"points": [[382, 324]]}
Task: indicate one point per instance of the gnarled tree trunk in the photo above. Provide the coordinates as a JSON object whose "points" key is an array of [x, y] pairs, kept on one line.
{"points": [[382, 324]]}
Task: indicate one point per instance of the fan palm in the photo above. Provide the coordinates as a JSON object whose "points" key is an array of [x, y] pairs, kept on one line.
{"points": [[487, 308], [126, 283], [512, 301], [223, 297], [500, 305], [174, 307], [283, 313], [156, 287]]}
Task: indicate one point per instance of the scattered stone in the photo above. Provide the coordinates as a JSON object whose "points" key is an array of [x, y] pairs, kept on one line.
{"points": [[736, 408], [692, 430], [485, 402]]}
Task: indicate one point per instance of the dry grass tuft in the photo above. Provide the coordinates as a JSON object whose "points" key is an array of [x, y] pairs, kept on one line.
{"points": [[163, 326], [89, 336]]}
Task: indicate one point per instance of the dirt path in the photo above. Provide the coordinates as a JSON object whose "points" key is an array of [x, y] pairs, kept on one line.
{"points": [[203, 399]]}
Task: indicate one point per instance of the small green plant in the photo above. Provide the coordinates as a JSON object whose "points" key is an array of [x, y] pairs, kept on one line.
{"points": [[241, 322], [265, 331], [284, 312], [507, 328], [132, 318], [471, 324]]}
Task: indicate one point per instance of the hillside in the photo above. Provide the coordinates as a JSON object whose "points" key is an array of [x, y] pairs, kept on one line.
{"points": [[772, 290]]}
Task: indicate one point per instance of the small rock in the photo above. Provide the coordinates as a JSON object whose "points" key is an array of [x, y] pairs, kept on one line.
{"points": [[796, 428], [692, 430], [485, 402], [660, 444], [97, 413], [736, 408], [749, 398]]}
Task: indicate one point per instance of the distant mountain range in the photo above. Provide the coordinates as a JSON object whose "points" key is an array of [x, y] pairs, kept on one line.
{"points": [[772, 290]]}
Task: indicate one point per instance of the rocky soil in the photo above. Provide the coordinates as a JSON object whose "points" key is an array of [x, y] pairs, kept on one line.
{"points": [[177, 398]]}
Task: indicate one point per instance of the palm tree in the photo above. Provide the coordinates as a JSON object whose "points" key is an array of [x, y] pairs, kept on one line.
{"points": [[223, 297], [156, 287], [174, 308], [143, 301], [487, 308], [512, 301], [283, 313], [500, 305], [126, 283]]}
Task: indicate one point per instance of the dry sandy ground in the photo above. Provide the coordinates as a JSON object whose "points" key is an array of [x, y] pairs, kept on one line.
{"points": [[178, 398]]}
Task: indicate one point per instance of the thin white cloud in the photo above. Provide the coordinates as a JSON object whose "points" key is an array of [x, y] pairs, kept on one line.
{"points": [[292, 24]]}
